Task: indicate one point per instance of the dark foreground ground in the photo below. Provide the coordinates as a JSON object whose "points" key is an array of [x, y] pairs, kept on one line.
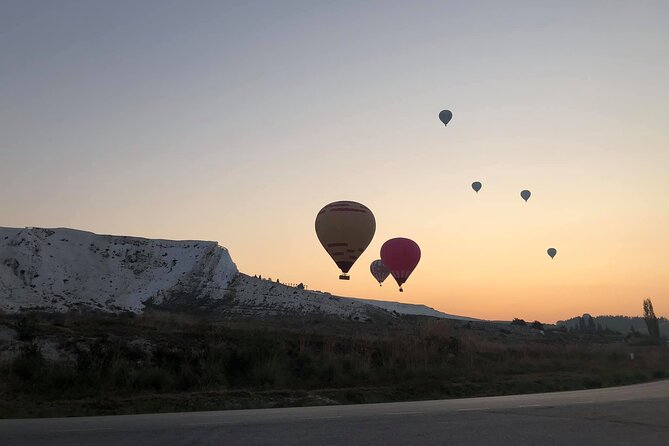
{"points": [[631, 415], [83, 364]]}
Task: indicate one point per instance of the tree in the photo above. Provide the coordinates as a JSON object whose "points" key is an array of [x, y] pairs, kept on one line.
{"points": [[519, 322], [537, 325], [651, 319], [592, 328]]}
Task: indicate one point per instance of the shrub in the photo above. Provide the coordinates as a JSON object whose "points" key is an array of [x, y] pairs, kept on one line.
{"points": [[26, 328], [28, 365], [153, 378]]}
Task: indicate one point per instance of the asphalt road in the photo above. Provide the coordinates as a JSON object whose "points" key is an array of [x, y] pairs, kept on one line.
{"points": [[628, 415]]}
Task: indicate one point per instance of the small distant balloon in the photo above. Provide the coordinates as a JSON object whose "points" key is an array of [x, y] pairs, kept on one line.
{"points": [[445, 116], [526, 194], [379, 271], [400, 256], [552, 252], [476, 185]]}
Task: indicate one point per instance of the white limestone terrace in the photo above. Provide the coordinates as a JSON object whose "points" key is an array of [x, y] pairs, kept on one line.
{"points": [[62, 269], [65, 269], [259, 296]]}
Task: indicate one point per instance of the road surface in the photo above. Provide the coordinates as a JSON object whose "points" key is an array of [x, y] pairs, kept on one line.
{"points": [[637, 414]]}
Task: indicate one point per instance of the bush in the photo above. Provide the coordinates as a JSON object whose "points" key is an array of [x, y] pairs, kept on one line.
{"points": [[537, 325], [153, 378], [29, 364], [26, 328]]}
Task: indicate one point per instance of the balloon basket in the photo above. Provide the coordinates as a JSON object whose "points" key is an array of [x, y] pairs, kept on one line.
{"points": [[344, 277]]}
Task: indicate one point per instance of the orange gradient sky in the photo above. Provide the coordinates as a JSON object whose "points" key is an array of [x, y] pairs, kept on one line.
{"points": [[237, 122]]}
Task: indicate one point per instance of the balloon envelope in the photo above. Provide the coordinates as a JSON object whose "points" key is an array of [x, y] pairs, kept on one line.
{"points": [[445, 116], [476, 185], [525, 194], [345, 229], [379, 271], [552, 252], [400, 256]]}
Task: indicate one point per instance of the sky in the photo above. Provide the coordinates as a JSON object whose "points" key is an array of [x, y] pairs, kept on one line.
{"points": [[238, 121]]}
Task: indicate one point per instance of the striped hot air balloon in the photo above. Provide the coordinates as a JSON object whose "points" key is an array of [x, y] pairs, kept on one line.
{"points": [[345, 229], [379, 271], [400, 255]]}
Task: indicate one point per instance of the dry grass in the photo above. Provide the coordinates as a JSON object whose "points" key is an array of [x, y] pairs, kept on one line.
{"points": [[122, 361]]}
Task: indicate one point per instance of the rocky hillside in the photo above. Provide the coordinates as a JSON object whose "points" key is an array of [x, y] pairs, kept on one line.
{"points": [[413, 309], [65, 269], [252, 295], [61, 269]]}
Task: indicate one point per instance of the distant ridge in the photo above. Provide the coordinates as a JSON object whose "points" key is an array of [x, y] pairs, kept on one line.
{"points": [[621, 324], [413, 309]]}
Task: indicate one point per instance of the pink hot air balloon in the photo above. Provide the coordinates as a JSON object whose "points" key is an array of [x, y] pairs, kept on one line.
{"points": [[400, 256], [379, 271]]}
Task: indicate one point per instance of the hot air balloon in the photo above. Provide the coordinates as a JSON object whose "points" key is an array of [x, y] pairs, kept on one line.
{"points": [[552, 252], [379, 271], [445, 116], [476, 185], [526, 194], [400, 256], [345, 229]]}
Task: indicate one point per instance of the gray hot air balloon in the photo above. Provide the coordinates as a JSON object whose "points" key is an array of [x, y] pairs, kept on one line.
{"points": [[379, 271], [445, 116], [476, 185], [526, 194], [552, 252]]}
